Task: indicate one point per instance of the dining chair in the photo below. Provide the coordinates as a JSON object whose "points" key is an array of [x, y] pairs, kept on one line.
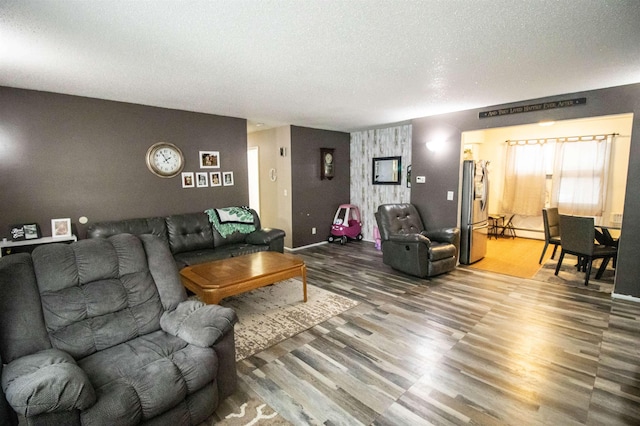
{"points": [[551, 230], [577, 234]]}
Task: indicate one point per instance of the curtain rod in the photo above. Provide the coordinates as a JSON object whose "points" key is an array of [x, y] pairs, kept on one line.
{"points": [[560, 139]]}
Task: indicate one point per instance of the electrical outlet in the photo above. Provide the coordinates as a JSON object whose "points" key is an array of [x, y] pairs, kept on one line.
{"points": [[420, 179], [313, 231]]}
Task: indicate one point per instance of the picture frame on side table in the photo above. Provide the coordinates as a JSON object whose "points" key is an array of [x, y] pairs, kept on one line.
{"points": [[202, 180], [209, 159], [227, 178], [26, 231], [187, 180], [215, 179], [60, 227]]}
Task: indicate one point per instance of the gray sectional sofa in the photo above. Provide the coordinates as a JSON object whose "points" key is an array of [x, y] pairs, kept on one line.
{"points": [[193, 239], [100, 331]]}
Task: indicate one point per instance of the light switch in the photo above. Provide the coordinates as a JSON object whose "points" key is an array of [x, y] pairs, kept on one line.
{"points": [[450, 195], [420, 179]]}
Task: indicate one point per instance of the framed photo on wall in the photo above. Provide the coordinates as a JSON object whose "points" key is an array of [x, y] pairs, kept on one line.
{"points": [[215, 179], [227, 178], [60, 228], [202, 180], [187, 180], [209, 159]]}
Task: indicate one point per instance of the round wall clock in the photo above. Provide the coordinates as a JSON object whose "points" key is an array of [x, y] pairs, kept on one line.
{"points": [[165, 159]]}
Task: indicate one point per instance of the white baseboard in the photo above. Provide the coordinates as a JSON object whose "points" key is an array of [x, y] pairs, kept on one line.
{"points": [[317, 244], [304, 247], [625, 297]]}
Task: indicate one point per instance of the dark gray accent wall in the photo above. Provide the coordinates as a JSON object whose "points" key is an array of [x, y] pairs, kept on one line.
{"points": [[442, 169], [315, 201], [66, 156]]}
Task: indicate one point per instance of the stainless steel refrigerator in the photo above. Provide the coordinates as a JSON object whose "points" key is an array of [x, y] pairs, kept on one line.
{"points": [[474, 223]]}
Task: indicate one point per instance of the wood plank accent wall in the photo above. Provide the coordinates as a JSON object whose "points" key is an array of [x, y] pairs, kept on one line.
{"points": [[389, 142]]}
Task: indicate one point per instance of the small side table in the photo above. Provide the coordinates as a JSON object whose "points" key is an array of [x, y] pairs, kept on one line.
{"points": [[496, 222], [35, 242]]}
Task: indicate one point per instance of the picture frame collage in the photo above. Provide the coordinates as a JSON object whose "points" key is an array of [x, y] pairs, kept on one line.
{"points": [[207, 179]]}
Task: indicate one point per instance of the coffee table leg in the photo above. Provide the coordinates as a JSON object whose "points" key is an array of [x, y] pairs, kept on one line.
{"points": [[304, 281]]}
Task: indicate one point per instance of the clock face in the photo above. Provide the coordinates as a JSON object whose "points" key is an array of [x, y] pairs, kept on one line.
{"points": [[165, 159], [328, 158]]}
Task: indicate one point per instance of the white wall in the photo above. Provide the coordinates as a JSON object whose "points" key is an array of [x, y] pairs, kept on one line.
{"points": [[490, 145], [275, 196]]}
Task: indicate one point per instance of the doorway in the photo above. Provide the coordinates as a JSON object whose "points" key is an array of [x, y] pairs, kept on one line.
{"points": [[253, 163], [490, 145]]}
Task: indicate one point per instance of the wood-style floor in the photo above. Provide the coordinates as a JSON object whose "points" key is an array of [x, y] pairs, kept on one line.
{"points": [[467, 347]]}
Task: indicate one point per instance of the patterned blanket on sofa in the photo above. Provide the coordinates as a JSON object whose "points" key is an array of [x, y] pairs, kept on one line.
{"points": [[228, 220]]}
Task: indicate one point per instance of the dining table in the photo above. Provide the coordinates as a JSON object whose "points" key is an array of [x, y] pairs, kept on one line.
{"points": [[604, 226]]}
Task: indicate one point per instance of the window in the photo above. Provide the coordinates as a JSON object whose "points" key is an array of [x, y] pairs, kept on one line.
{"points": [[524, 186], [570, 173], [580, 177]]}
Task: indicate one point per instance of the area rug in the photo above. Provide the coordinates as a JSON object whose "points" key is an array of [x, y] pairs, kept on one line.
{"points": [[267, 316], [569, 275], [251, 412], [271, 314]]}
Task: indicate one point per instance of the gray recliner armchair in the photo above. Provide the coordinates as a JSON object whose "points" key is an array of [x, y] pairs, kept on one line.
{"points": [[100, 331], [408, 247]]}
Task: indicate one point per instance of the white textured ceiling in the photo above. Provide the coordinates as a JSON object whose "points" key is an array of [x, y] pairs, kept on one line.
{"points": [[340, 65]]}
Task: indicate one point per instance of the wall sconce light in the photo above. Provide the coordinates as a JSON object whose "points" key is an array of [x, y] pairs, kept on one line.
{"points": [[435, 145]]}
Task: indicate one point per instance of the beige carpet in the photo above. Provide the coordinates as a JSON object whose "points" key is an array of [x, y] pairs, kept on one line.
{"points": [[271, 314], [569, 275], [512, 256]]}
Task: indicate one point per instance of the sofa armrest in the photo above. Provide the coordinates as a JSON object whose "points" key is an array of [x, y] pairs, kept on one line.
{"points": [[264, 236], [7, 415], [443, 235], [409, 238], [45, 382], [198, 324]]}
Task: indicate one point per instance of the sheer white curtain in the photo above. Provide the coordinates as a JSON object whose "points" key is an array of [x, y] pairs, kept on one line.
{"points": [[524, 186], [580, 174]]}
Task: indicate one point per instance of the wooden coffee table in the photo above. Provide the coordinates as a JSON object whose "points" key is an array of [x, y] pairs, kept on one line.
{"points": [[213, 281]]}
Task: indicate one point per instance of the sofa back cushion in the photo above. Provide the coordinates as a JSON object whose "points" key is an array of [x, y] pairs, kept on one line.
{"points": [[398, 219], [22, 329], [96, 293], [149, 225], [188, 232]]}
